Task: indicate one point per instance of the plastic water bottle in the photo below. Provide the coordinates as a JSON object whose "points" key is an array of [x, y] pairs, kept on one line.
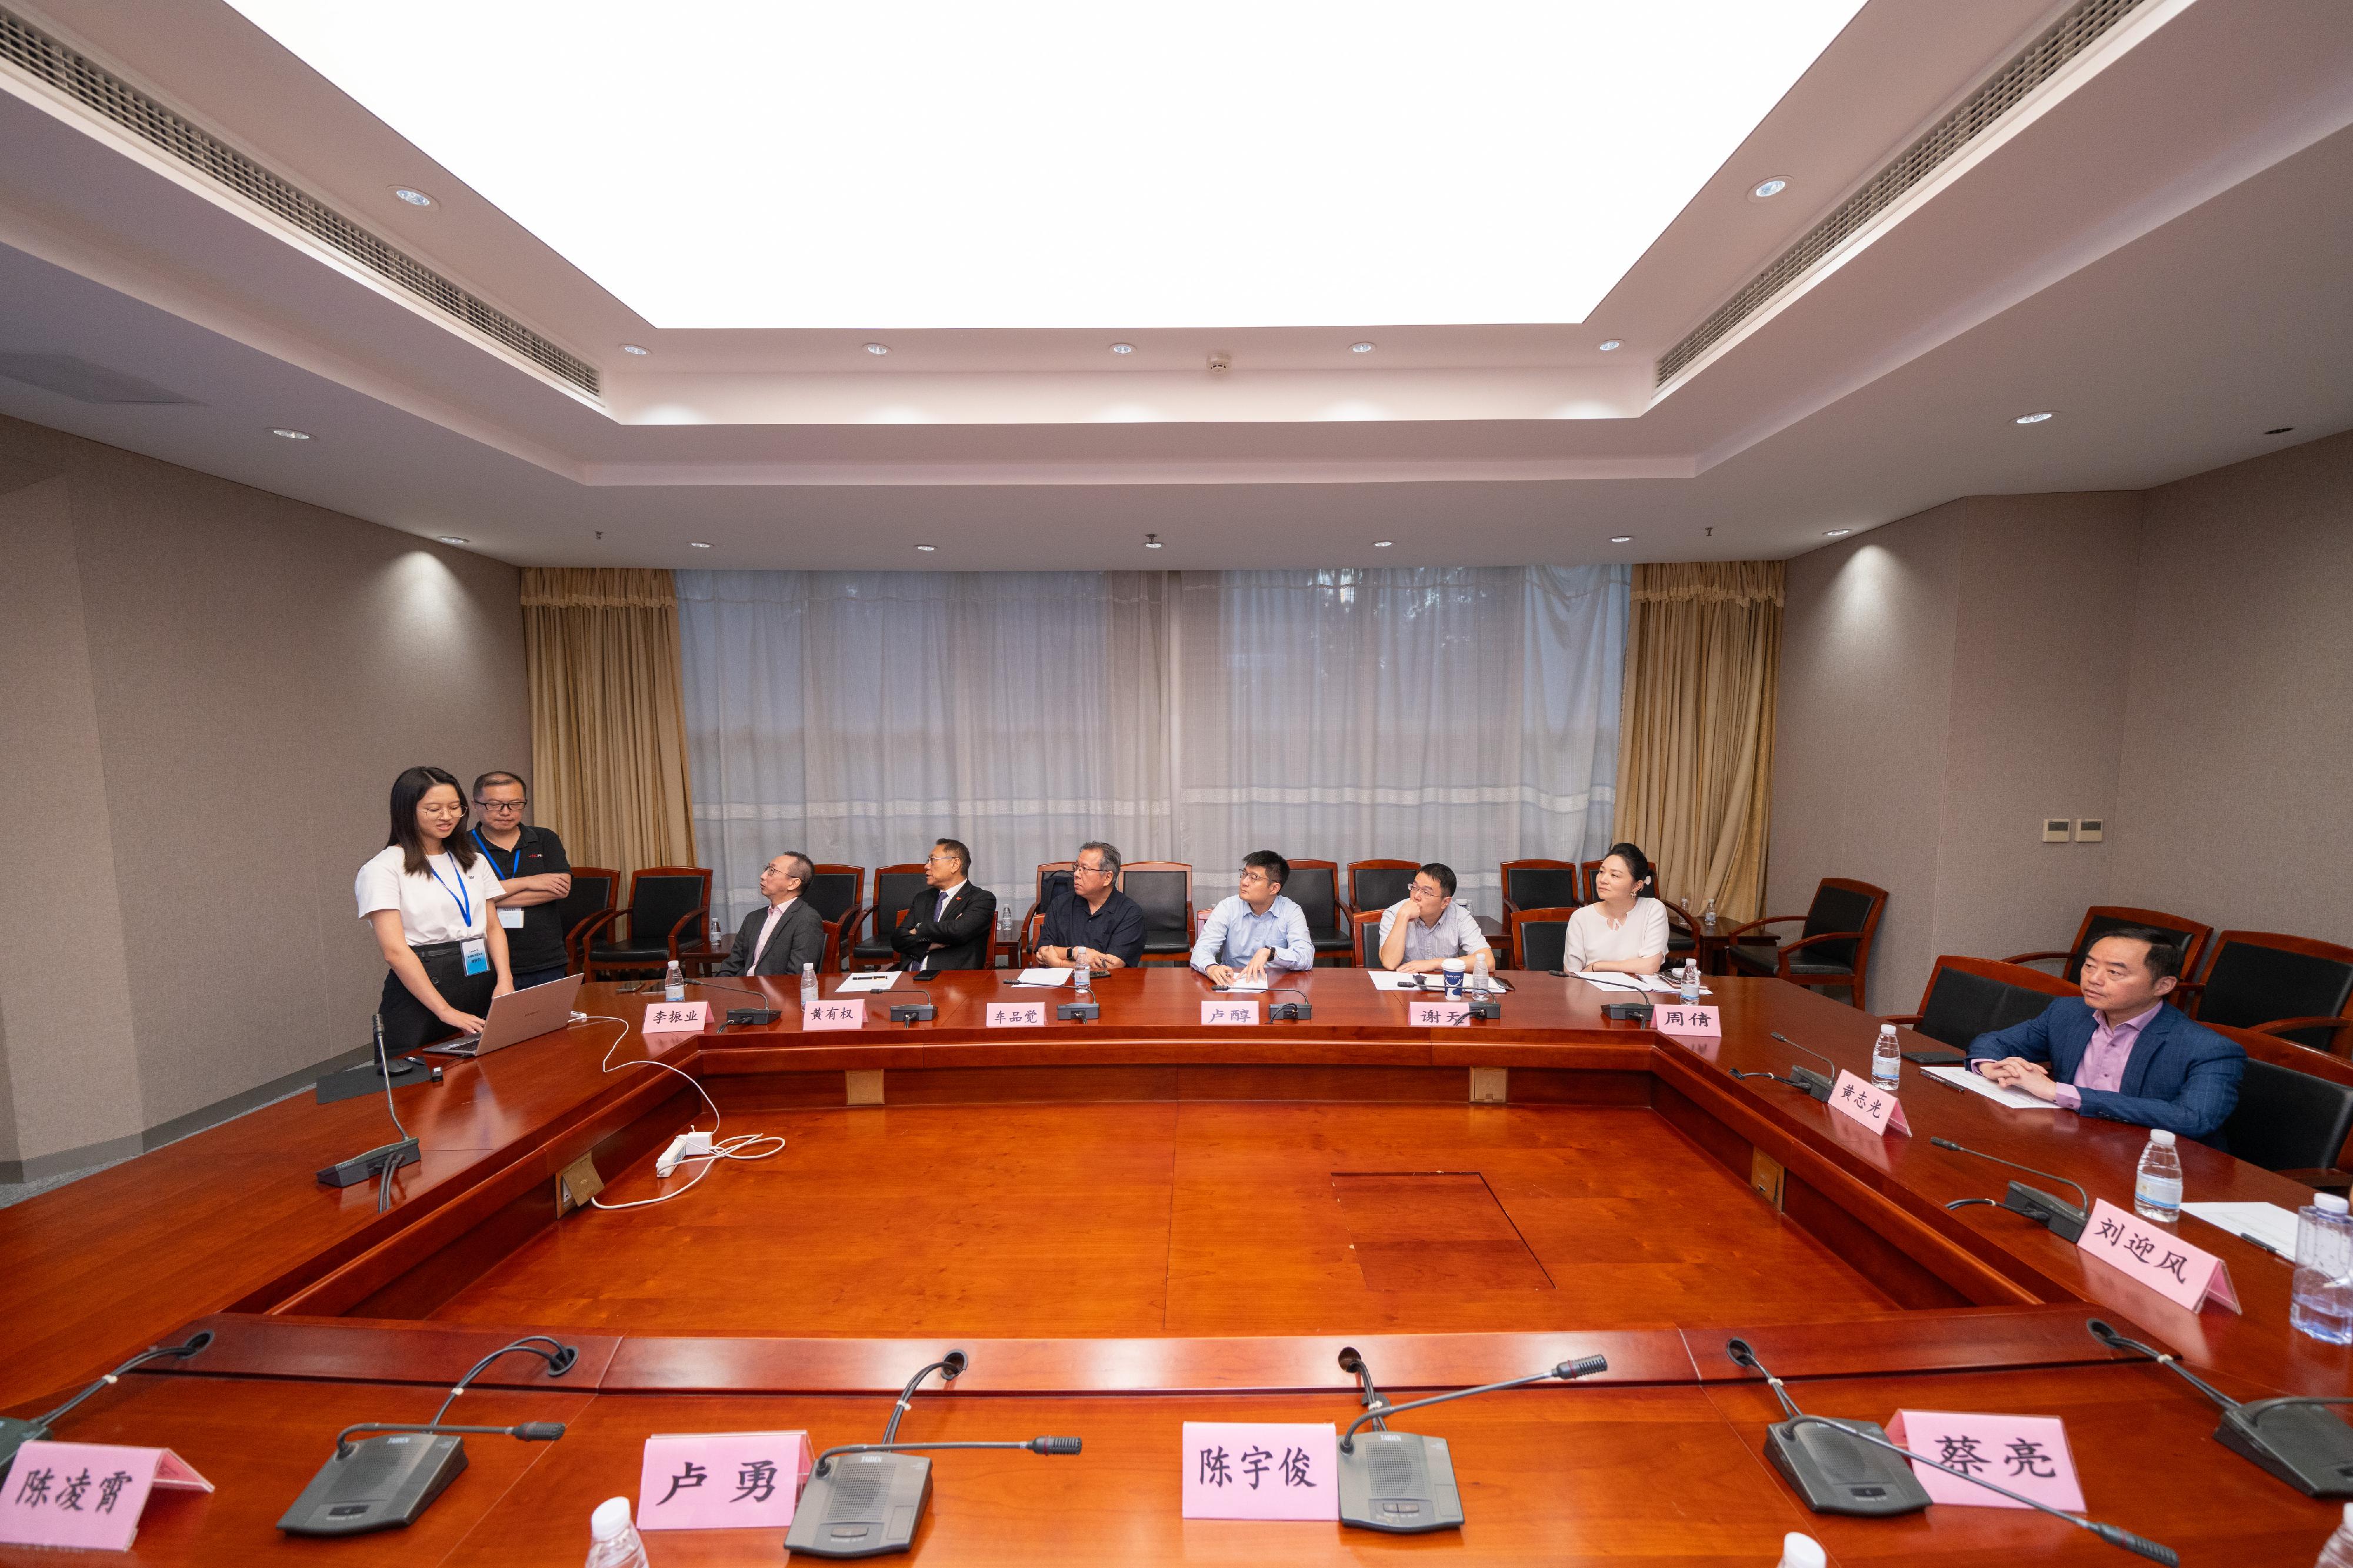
{"points": [[1887, 1069], [612, 1541], [809, 984], [2157, 1189], [1478, 985], [1801, 1552], [2338, 1552], [717, 934], [2322, 1305], [1081, 971], [1687, 983], [674, 983], [1708, 918]]}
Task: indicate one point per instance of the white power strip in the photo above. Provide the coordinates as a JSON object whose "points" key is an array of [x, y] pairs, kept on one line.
{"points": [[685, 1146]]}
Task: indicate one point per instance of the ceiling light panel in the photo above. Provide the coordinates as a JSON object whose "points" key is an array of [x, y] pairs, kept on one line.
{"points": [[1081, 165]]}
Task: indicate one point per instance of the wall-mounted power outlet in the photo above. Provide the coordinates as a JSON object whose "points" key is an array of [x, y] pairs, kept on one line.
{"points": [[2055, 829], [2089, 830]]}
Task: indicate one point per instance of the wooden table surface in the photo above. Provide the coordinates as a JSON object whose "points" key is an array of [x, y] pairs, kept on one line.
{"points": [[1610, 1139]]}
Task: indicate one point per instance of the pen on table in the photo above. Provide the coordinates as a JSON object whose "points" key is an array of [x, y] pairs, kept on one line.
{"points": [[2266, 1246]]}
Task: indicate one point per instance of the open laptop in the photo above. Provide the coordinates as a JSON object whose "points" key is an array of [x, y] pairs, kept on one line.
{"points": [[517, 1017]]}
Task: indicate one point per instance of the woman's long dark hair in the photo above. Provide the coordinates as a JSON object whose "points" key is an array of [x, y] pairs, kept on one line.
{"points": [[1638, 864], [407, 791]]}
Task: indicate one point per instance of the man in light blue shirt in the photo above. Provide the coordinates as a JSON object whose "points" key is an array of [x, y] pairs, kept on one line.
{"points": [[1256, 929]]}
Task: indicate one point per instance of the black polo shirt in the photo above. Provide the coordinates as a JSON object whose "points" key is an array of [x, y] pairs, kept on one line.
{"points": [[540, 943], [1117, 928]]}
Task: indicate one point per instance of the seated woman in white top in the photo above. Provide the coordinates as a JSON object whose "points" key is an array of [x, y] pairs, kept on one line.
{"points": [[428, 894], [1626, 931]]}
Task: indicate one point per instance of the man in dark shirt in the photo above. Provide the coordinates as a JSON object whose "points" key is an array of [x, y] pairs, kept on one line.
{"points": [[529, 861], [1095, 915]]}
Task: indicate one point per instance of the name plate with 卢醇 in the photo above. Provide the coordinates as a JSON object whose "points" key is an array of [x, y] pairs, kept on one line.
{"points": [[1222, 1014]]}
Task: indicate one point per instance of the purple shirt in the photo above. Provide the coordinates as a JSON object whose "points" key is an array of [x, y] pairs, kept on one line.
{"points": [[2104, 1058]]}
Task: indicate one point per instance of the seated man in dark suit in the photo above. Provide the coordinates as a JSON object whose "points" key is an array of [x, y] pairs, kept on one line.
{"points": [[2120, 1052], [788, 932], [948, 925]]}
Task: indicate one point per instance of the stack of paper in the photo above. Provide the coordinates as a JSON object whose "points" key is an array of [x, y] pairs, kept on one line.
{"points": [[872, 980], [2266, 1225], [1043, 977], [1963, 1078]]}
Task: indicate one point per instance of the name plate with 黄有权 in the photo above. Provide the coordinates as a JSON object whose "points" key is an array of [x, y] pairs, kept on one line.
{"points": [[677, 1017], [1436, 1014], [1227, 1011], [721, 1481], [86, 1497], [2184, 1274], [1016, 1016], [832, 1013], [2026, 1454], [1876, 1108], [1261, 1469]]}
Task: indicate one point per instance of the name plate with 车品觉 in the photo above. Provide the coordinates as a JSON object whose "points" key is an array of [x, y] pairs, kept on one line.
{"points": [[2182, 1274], [677, 1017], [721, 1481], [1436, 1014], [1261, 1469], [832, 1013], [1015, 1016], [1876, 1108], [86, 1497], [1695, 1019], [2026, 1454], [1229, 1012]]}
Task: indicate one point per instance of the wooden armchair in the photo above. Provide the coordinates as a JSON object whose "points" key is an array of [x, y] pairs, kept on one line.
{"points": [[1833, 949]]}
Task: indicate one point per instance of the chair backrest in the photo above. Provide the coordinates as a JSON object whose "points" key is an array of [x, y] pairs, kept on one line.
{"points": [[2289, 1120], [1053, 880], [1971, 996], [1540, 937], [1163, 890], [895, 887], [2261, 976], [593, 888], [1841, 904], [2101, 919], [834, 890], [1377, 884], [1368, 938], [1315, 887], [661, 896], [1543, 884]]}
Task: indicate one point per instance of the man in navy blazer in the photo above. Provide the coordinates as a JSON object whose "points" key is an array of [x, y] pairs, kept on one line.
{"points": [[2121, 1052]]}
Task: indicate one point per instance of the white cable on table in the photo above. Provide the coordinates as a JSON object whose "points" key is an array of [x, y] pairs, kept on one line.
{"points": [[733, 1149]]}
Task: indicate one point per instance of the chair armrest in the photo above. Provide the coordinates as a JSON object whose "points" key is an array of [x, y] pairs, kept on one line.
{"points": [[1781, 959], [2186, 994], [1752, 925], [691, 921], [852, 918], [2035, 957], [1676, 917], [2325, 1180], [2282, 1025], [586, 934], [1906, 1019]]}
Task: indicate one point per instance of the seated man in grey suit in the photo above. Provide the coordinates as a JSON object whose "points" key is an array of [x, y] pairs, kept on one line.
{"points": [[788, 932]]}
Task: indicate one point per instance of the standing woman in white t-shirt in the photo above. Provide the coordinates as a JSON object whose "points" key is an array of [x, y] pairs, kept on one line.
{"points": [[1626, 929], [428, 894]]}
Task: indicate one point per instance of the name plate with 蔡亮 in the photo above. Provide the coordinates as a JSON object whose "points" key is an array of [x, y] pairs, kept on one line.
{"points": [[1227, 1011], [1437, 1015], [832, 1013], [1261, 1469], [2026, 1454], [1695, 1020], [1016, 1016], [721, 1481], [2184, 1274], [1876, 1108], [677, 1017]]}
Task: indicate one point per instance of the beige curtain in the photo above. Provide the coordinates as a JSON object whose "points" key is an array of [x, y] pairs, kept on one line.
{"points": [[608, 716], [1695, 743]]}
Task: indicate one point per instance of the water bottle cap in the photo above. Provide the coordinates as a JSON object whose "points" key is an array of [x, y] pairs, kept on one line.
{"points": [[1802, 1552], [2161, 1138], [611, 1517], [2329, 1203]]}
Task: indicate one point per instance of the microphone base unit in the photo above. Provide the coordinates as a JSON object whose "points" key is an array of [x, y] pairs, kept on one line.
{"points": [[2302, 1444], [13, 1435], [1289, 1012], [2063, 1219], [736, 1016], [865, 1505], [1635, 1012], [1078, 1012], [913, 1012], [1835, 1474], [1810, 1080], [1399, 1483], [1486, 1007], [383, 1483], [368, 1167]]}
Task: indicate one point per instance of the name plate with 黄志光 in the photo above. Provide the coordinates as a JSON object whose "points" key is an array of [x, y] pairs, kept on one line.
{"points": [[1876, 1108]]}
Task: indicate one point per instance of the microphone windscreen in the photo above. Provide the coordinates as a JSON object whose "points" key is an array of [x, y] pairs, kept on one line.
{"points": [[540, 1431], [1584, 1366], [1054, 1444]]}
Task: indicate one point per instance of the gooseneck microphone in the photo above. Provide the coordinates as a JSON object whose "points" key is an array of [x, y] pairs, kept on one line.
{"points": [[385, 1159], [389, 1476], [1810, 1453], [2295, 1439], [15, 1433], [1805, 1078], [921, 1012], [871, 1502], [1297, 1012], [1403, 1483], [2065, 1220]]}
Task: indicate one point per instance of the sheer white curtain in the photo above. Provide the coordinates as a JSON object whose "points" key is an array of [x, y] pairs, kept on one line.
{"points": [[1463, 716]]}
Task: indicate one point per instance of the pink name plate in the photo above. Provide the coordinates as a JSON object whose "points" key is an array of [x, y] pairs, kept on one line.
{"points": [[1694, 1020], [1017, 1014], [832, 1013], [1437, 1015], [677, 1017], [1224, 1012], [1261, 1469], [2026, 1454], [86, 1496], [721, 1481], [2182, 1274], [1876, 1108]]}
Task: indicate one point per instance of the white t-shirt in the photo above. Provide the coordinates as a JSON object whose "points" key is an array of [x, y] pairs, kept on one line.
{"points": [[428, 907], [1642, 933]]}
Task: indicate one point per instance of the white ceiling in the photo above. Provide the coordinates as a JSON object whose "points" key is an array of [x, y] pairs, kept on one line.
{"points": [[2162, 256]]}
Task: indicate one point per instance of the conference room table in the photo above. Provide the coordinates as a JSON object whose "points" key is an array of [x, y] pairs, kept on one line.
{"points": [[1144, 1219]]}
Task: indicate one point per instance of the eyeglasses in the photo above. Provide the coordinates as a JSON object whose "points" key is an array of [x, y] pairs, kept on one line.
{"points": [[1425, 890], [939, 858], [1092, 870], [489, 806]]}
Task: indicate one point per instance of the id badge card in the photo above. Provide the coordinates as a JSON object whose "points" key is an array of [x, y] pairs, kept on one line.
{"points": [[511, 919], [478, 955]]}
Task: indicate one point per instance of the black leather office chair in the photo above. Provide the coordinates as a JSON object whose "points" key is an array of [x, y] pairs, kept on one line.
{"points": [[2289, 1120], [1315, 887], [1542, 885], [592, 894], [2292, 987], [895, 887], [1377, 884], [1833, 948], [1971, 996], [668, 905], [1539, 937], [1163, 890], [1368, 924], [2101, 918], [837, 893]]}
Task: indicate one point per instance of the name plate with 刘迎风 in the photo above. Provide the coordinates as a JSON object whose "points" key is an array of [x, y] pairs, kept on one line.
{"points": [[2184, 1274]]}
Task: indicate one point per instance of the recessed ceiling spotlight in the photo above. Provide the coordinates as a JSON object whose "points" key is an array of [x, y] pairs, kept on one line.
{"points": [[1612, 346], [290, 434], [698, 544], [1766, 190], [2035, 418], [412, 195], [1360, 348], [1122, 348], [1621, 539], [878, 348], [640, 350], [2282, 430], [1383, 543], [927, 549], [1152, 542], [452, 539], [1836, 533]]}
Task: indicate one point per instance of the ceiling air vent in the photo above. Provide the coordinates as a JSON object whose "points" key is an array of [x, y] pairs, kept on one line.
{"points": [[42, 57], [2070, 36]]}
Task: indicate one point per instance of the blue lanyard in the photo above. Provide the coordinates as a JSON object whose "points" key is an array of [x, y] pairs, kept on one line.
{"points": [[493, 856], [465, 904]]}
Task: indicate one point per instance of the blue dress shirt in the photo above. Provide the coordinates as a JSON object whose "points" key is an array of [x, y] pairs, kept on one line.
{"points": [[1234, 935]]}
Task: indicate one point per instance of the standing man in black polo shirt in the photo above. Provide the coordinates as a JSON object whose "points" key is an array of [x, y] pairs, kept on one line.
{"points": [[529, 861], [1094, 915]]}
